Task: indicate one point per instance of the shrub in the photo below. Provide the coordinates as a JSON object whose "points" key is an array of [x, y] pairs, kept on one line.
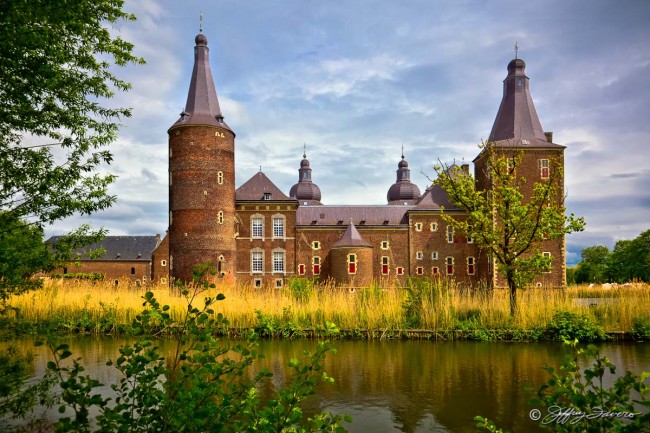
{"points": [[576, 400], [568, 326], [640, 328]]}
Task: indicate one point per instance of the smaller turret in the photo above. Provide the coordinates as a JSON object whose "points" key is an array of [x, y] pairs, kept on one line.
{"points": [[305, 191], [403, 191]]}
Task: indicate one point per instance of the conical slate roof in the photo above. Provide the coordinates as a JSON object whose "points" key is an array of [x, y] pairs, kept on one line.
{"points": [[202, 106], [517, 123], [351, 238]]}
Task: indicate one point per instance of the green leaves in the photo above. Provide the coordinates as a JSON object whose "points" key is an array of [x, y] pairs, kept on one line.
{"points": [[203, 385]]}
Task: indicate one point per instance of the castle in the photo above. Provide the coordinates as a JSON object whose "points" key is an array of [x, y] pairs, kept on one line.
{"points": [[257, 234]]}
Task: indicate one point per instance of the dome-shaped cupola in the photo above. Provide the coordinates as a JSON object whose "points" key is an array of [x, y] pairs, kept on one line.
{"points": [[403, 191], [305, 191]]}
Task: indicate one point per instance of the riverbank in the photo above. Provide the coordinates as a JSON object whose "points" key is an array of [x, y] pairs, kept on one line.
{"points": [[424, 309]]}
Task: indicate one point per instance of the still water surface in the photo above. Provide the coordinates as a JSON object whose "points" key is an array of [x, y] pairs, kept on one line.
{"points": [[404, 386]]}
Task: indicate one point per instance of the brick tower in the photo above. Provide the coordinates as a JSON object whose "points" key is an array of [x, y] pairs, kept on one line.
{"points": [[201, 178]]}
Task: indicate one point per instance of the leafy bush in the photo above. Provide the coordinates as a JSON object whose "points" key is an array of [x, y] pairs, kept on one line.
{"points": [[301, 289], [576, 400], [640, 328], [204, 386], [568, 326]]}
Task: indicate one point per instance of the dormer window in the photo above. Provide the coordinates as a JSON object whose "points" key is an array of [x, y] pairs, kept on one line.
{"points": [[267, 196]]}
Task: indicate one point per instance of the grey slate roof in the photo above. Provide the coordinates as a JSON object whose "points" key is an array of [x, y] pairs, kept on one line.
{"points": [[360, 215], [351, 238], [517, 123], [202, 106], [258, 185], [127, 248]]}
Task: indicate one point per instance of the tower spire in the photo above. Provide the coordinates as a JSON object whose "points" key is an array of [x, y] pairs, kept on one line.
{"points": [[516, 49], [517, 118], [202, 106]]}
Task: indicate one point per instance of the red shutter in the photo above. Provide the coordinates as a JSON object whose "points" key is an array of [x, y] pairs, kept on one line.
{"points": [[301, 269], [352, 268], [316, 269]]}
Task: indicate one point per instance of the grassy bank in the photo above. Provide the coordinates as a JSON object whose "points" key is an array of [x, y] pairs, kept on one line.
{"points": [[440, 307]]}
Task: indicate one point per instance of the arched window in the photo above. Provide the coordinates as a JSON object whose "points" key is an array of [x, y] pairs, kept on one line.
{"points": [[220, 177]]}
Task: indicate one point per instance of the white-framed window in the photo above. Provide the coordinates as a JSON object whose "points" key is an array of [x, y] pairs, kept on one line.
{"points": [[471, 266], [544, 170], [257, 261], [352, 263], [450, 234], [315, 263], [257, 227], [418, 227], [278, 283], [220, 217], [315, 245], [385, 245], [434, 255], [399, 270], [385, 269], [419, 255], [433, 227], [301, 269], [220, 177], [163, 263], [450, 265], [547, 255], [257, 283], [419, 270], [278, 226], [278, 261], [435, 270]]}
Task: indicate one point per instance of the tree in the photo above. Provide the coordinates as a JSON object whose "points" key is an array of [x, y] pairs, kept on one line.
{"points": [[55, 79], [592, 267], [507, 217], [630, 260], [55, 74]]}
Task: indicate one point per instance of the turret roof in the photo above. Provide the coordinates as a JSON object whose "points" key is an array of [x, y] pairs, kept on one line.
{"points": [[202, 106], [351, 238]]}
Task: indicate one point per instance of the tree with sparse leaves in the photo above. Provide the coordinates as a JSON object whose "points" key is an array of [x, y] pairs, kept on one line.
{"points": [[509, 219], [56, 77]]}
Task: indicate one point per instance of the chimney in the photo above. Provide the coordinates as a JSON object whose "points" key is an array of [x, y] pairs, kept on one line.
{"points": [[549, 136]]}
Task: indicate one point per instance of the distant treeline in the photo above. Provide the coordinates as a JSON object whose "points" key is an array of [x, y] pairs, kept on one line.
{"points": [[628, 261]]}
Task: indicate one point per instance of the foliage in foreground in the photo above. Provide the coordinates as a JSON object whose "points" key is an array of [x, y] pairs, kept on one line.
{"points": [[206, 385], [576, 400]]}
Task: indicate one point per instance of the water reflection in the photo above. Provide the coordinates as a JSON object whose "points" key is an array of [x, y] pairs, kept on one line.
{"points": [[404, 386]]}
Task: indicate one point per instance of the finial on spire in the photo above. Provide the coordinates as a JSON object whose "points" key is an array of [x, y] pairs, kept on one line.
{"points": [[402, 150], [516, 49], [201, 22], [260, 168], [304, 150]]}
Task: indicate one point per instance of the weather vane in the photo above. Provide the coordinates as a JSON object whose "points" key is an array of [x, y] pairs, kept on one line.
{"points": [[516, 49], [402, 150], [201, 23]]}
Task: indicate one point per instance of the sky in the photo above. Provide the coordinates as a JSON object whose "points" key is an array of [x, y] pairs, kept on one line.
{"points": [[354, 81]]}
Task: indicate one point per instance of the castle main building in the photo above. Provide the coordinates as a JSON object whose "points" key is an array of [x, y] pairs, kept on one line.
{"points": [[258, 234]]}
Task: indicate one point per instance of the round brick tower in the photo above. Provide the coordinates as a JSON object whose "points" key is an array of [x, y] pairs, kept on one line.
{"points": [[351, 258], [201, 179]]}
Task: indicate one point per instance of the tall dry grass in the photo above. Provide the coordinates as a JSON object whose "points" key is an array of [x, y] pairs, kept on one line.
{"points": [[440, 306]]}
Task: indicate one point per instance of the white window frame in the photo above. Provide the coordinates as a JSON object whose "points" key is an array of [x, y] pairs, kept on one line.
{"points": [[543, 164], [447, 264], [279, 227], [279, 261], [419, 255], [220, 177], [385, 245], [315, 245], [257, 261], [418, 227], [433, 227], [450, 234], [434, 255], [257, 218], [473, 263], [385, 261]]}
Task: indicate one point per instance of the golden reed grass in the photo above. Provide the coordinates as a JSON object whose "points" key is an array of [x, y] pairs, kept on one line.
{"points": [[443, 307]]}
